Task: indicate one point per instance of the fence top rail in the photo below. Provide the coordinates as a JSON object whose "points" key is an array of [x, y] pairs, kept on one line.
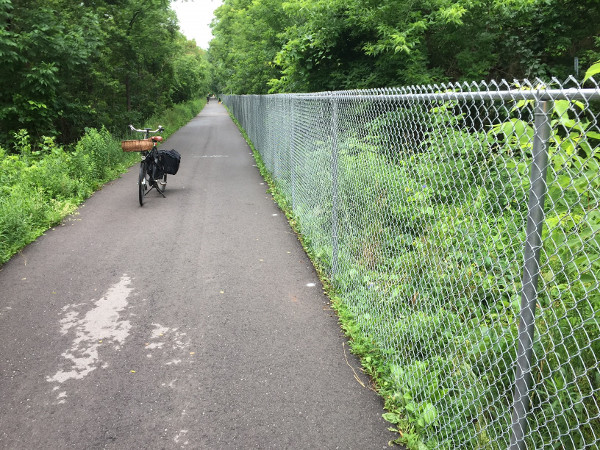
{"points": [[517, 90], [513, 94]]}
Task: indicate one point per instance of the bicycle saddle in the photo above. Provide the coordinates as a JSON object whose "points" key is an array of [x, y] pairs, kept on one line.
{"points": [[157, 138]]}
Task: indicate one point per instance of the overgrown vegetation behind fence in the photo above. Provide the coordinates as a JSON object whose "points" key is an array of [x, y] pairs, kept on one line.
{"points": [[461, 227]]}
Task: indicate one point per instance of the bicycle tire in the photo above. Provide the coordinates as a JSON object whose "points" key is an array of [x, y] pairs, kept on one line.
{"points": [[162, 184], [142, 183]]}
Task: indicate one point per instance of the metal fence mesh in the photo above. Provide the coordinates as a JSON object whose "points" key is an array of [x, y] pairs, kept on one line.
{"points": [[460, 224]]}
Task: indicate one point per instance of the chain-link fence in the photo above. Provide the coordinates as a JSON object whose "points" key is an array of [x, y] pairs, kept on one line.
{"points": [[460, 225]]}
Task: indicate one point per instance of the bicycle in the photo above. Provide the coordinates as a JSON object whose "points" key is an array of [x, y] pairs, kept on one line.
{"points": [[151, 175]]}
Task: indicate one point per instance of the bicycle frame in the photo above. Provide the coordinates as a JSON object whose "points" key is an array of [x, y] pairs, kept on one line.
{"points": [[146, 179]]}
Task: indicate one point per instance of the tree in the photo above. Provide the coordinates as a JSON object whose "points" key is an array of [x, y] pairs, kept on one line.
{"points": [[46, 63], [91, 63], [247, 38], [317, 45], [190, 72]]}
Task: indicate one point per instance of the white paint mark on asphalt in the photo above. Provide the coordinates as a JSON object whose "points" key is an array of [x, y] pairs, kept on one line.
{"points": [[68, 322], [180, 436], [101, 325], [167, 339], [171, 384], [173, 362], [155, 345], [159, 331], [61, 397], [311, 284]]}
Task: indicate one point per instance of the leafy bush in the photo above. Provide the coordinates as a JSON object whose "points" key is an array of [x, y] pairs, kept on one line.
{"points": [[40, 187], [42, 183], [430, 234]]}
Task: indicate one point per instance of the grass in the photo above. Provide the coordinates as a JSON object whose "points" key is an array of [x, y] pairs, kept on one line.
{"points": [[42, 183], [372, 360]]}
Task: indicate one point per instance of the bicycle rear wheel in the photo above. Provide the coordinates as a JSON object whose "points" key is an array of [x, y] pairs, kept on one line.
{"points": [[142, 186], [162, 184]]}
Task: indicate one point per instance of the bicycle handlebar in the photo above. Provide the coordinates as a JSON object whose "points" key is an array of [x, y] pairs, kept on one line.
{"points": [[148, 130]]}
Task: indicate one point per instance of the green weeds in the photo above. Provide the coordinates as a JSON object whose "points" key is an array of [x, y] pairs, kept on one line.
{"points": [[429, 269], [42, 182]]}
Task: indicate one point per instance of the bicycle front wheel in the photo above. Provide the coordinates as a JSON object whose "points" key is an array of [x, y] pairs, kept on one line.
{"points": [[142, 183]]}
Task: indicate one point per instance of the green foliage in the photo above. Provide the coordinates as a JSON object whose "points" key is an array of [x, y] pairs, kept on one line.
{"points": [[42, 183], [309, 46], [190, 74], [247, 37], [593, 70], [430, 257], [69, 65], [39, 188], [174, 118]]}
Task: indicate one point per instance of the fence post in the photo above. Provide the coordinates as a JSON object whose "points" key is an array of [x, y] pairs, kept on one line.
{"points": [[531, 268], [278, 123], [292, 138], [334, 185]]}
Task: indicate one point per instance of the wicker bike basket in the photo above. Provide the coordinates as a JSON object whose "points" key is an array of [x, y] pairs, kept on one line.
{"points": [[137, 145]]}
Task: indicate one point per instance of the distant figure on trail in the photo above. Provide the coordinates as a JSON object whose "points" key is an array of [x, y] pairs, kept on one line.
{"points": [[208, 98]]}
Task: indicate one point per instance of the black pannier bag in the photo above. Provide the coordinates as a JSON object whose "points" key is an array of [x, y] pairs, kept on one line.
{"points": [[156, 168], [157, 172], [170, 160]]}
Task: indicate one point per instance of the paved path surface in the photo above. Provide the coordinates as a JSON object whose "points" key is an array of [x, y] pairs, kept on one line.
{"points": [[195, 321]]}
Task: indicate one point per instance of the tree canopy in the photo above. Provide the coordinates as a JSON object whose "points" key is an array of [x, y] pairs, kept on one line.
{"points": [[314, 45], [90, 63], [69, 65]]}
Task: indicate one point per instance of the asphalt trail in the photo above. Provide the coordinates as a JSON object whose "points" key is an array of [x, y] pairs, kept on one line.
{"points": [[195, 321]]}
